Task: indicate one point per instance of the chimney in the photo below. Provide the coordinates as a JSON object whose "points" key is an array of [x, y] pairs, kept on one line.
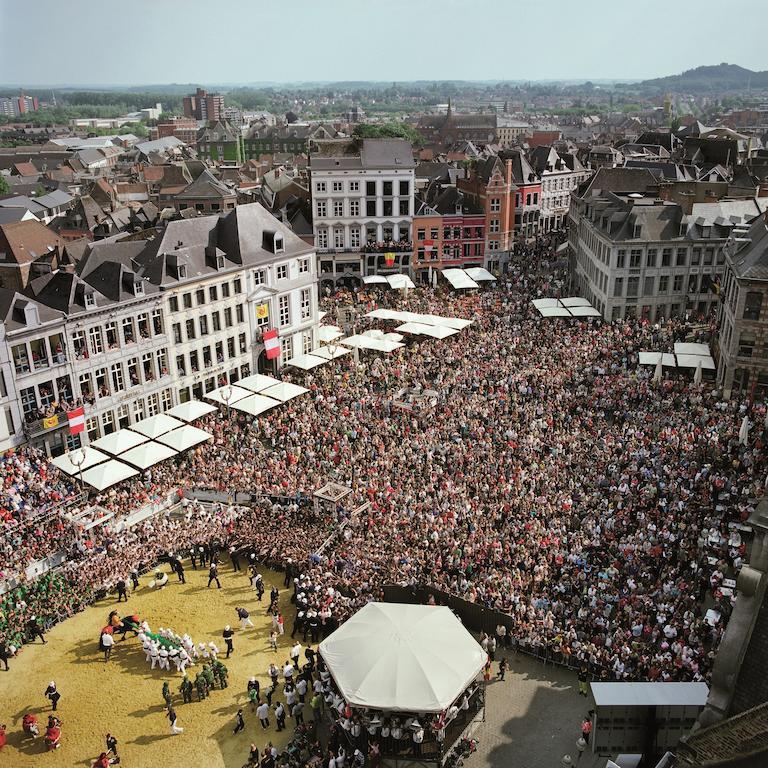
{"points": [[509, 172], [687, 199]]}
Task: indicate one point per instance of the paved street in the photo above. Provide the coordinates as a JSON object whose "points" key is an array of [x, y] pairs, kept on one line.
{"points": [[533, 718]]}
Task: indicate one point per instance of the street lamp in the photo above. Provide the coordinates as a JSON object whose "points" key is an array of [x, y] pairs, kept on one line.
{"points": [[77, 457], [226, 396]]}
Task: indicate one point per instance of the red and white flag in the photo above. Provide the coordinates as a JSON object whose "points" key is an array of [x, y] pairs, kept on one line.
{"points": [[76, 420], [271, 344]]}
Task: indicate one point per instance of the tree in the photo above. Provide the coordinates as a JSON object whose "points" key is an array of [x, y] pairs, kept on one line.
{"points": [[4, 187], [389, 131]]}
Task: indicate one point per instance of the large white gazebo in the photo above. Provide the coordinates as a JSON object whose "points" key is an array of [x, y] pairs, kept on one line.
{"points": [[402, 658]]}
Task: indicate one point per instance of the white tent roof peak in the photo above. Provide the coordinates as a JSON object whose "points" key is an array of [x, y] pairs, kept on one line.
{"points": [[407, 658]]}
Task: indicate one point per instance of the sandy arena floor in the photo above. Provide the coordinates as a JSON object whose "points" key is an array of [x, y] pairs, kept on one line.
{"points": [[123, 696]]}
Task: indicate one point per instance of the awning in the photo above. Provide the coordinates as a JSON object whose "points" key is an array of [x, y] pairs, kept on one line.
{"points": [[687, 348], [236, 393], [543, 303], [194, 409], [692, 361], [307, 362], [554, 312], [575, 301], [157, 425], [422, 329], [375, 279], [584, 312], [143, 456], [257, 382], [449, 322], [393, 337], [109, 473], [330, 353], [402, 658], [400, 281], [459, 279], [328, 333], [117, 442], [256, 404], [185, 437], [284, 391], [652, 358], [384, 314], [91, 458], [369, 342], [479, 274]]}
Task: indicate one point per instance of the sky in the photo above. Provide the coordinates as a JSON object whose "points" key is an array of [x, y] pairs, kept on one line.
{"points": [[95, 42]]}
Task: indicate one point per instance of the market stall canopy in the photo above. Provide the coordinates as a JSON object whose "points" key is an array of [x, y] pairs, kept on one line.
{"points": [[584, 311], [307, 362], [143, 456], [256, 404], [157, 425], [328, 333], [400, 281], [450, 322], [459, 279], [285, 391], [109, 473], [330, 353], [185, 437], [692, 361], [422, 329], [257, 382], [92, 457], [374, 280], [652, 358], [371, 342], [687, 348], [189, 411], [238, 393], [543, 303], [575, 301], [402, 658], [480, 275], [120, 441], [554, 312]]}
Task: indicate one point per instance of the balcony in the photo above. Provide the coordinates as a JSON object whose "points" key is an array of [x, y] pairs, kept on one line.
{"points": [[388, 246]]}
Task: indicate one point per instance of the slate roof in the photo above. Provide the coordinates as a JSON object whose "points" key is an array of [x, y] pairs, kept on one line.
{"points": [[12, 310], [749, 259], [206, 185], [368, 153]]}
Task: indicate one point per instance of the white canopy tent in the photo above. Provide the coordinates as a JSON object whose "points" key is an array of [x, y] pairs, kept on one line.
{"points": [[327, 333], [458, 323], [329, 353], [422, 329], [652, 358], [543, 303], [400, 281], [91, 458], [257, 382], [480, 275], [375, 280], [185, 437], [572, 306], [109, 473], [575, 301], [238, 393], [384, 314], [578, 311], [143, 456], [120, 441], [402, 658], [191, 410], [256, 404], [284, 391], [373, 342], [692, 361], [157, 425], [687, 348], [307, 362], [459, 279], [554, 312]]}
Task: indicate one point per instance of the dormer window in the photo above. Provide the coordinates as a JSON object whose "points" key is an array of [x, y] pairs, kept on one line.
{"points": [[90, 300], [219, 261], [636, 231], [182, 271], [138, 288], [279, 244], [706, 231]]}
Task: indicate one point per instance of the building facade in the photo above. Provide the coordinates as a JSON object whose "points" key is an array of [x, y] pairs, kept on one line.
{"points": [[742, 341], [220, 142], [559, 175], [144, 325], [636, 256], [363, 205], [202, 105]]}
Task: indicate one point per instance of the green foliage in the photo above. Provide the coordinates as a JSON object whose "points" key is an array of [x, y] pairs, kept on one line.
{"points": [[389, 131], [4, 188]]}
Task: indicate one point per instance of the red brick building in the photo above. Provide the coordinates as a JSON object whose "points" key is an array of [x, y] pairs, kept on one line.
{"points": [[204, 106], [183, 128]]}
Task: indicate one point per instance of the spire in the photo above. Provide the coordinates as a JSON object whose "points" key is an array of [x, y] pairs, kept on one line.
{"points": [[449, 107]]}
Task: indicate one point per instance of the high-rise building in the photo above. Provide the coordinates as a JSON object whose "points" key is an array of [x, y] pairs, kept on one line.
{"points": [[204, 106], [18, 105]]}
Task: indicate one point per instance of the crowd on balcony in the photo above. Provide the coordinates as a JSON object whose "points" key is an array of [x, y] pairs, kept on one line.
{"points": [[555, 482], [384, 246]]}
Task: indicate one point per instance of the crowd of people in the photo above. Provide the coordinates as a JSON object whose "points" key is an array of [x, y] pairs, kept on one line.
{"points": [[553, 481]]}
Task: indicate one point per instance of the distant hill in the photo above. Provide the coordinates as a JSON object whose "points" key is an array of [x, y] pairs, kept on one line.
{"points": [[720, 77]]}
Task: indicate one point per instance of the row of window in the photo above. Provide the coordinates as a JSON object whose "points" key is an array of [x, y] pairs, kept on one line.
{"points": [[205, 324], [39, 354], [338, 237], [452, 233], [43, 395], [223, 290], [96, 339], [451, 251], [286, 346], [699, 256], [121, 376], [387, 187], [209, 355], [373, 208], [531, 198], [696, 284]]}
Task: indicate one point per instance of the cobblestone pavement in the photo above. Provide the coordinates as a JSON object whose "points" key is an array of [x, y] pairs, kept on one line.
{"points": [[532, 719]]}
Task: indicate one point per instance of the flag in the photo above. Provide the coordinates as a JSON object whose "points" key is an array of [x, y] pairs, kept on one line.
{"points": [[262, 311], [389, 259], [271, 344], [51, 421], [76, 420]]}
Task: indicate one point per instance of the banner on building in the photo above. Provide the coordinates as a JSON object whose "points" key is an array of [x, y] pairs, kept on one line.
{"points": [[262, 311], [51, 421], [271, 344], [76, 420]]}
